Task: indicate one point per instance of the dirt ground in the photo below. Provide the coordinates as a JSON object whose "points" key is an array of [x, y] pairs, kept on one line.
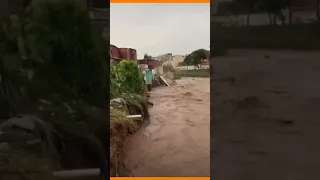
{"points": [[266, 120], [177, 141]]}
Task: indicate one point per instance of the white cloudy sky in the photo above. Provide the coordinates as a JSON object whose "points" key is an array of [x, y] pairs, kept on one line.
{"points": [[157, 29]]}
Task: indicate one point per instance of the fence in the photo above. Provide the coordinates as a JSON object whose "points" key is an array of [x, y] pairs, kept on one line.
{"points": [[192, 67], [191, 73]]}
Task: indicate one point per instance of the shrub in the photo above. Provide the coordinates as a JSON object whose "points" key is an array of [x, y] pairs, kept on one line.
{"points": [[126, 81]]}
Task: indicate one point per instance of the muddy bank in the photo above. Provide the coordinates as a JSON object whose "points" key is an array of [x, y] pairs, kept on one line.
{"points": [[266, 115], [177, 140]]}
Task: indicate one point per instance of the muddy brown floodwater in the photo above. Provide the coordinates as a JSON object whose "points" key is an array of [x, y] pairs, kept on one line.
{"points": [[266, 120], [177, 140]]}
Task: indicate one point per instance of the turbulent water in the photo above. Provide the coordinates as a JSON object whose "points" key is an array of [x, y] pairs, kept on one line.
{"points": [[177, 141]]}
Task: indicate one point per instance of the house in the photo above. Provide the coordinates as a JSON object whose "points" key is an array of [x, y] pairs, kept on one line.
{"points": [[171, 60], [114, 55], [205, 64], [166, 59], [177, 59], [152, 63], [128, 53], [118, 54]]}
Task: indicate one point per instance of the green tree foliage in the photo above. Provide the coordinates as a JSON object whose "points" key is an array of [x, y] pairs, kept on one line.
{"points": [[66, 48], [69, 59], [63, 51], [147, 57], [126, 81], [188, 60], [196, 57]]}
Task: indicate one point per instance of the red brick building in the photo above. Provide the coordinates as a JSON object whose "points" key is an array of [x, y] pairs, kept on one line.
{"points": [[151, 62], [114, 52], [117, 54], [128, 53]]}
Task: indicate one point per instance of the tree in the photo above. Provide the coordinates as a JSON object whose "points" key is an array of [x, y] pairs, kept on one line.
{"points": [[274, 7], [70, 63], [248, 6], [195, 57], [188, 59], [198, 56], [147, 57], [70, 56]]}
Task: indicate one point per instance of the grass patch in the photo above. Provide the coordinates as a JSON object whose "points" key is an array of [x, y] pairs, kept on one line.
{"points": [[120, 127], [191, 73], [118, 117]]}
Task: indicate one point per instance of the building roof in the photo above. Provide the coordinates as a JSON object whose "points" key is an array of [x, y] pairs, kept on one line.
{"points": [[122, 53]]}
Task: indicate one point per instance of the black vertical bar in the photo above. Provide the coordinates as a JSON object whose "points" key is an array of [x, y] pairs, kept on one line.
{"points": [[212, 4], [107, 31]]}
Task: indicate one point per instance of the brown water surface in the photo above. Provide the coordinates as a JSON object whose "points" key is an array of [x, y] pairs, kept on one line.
{"points": [[177, 141]]}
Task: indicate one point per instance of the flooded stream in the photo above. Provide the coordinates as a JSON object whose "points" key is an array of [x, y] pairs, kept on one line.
{"points": [[177, 140]]}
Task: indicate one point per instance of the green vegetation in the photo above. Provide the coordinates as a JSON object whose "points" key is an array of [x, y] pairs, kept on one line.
{"points": [[191, 73], [71, 55], [195, 57], [119, 125], [53, 66], [127, 96], [128, 76], [126, 82]]}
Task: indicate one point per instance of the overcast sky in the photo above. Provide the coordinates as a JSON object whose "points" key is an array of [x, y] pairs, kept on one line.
{"points": [[157, 29]]}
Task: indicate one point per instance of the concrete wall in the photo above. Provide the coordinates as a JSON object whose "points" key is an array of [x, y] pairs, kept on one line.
{"points": [[176, 59], [165, 58], [186, 67], [192, 67], [172, 60]]}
